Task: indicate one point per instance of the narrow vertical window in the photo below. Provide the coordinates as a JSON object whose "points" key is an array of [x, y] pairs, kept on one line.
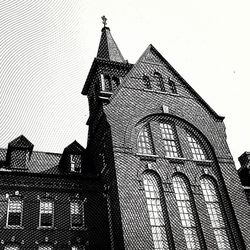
{"points": [[46, 213], [186, 212], [172, 86], [169, 139], [15, 210], [155, 211], [75, 163], [210, 194], [76, 212], [115, 82], [159, 81], [107, 83], [145, 141], [197, 151], [146, 81]]}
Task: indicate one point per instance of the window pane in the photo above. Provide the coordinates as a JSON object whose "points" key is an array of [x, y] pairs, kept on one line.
{"points": [[11, 248], [186, 213], [144, 141], [169, 140], [215, 213], [76, 211], [46, 213], [15, 212], [75, 163], [155, 211], [196, 149]]}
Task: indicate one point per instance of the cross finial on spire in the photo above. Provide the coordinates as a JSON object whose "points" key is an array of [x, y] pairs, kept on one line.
{"points": [[104, 21]]}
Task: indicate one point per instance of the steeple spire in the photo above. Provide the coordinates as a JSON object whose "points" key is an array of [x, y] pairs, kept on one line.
{"points": [[108, 49]]}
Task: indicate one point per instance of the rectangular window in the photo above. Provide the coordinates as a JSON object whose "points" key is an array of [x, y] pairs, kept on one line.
{"points": [[15, 209], [172, 86], [145, 145], [75, 163], [46, 213], [76, 212], [169, 140], [45, 248], [10, 247]]}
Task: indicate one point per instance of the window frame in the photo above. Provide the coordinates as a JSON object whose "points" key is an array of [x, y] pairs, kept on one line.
{"points": [[159, 81], [81, 203], [145, 129], [219, 214], [14, 197], [146, 81], [73, 163], [40, 214], [187, 211], [178, 152]]}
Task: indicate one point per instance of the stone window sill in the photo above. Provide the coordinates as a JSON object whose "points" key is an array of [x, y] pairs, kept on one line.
{"points": [[13, 227]]}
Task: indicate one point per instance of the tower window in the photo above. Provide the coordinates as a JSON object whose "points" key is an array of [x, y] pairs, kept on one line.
{"points": [[186, 212], [19, 158], [146, 81], [198, 153], [210, 194], [15, 210], [169, 140], [75, 163], [46, 213], [106, 83], [155, 211], [172, 86], [159, 81], [76, 212], [145, 141], [115, 82]]}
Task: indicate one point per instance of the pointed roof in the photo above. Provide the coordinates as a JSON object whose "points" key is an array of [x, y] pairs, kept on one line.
{"points": [[21, 142], [74, 147], [108, 49]]}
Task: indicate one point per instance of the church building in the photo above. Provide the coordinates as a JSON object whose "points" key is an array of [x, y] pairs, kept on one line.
{"points": [[157, 173]]}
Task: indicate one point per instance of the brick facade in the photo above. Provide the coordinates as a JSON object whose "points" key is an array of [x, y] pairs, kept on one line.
{"points": [[157, 172]]}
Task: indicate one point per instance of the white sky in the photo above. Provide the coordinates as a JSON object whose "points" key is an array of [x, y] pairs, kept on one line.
{"points": [[47, 47]]}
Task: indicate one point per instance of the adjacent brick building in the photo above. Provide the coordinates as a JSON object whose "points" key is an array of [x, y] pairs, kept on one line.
{"points": [[157, 172]]}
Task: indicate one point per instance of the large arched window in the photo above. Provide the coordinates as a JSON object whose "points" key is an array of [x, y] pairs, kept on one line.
{"points": [[196, 148], [186, 211], [144, 142], [210, 194], [155, 210], [169, 138]]}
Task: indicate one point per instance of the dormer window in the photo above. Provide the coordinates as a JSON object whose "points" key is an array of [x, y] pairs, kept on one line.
{"points": [[75, 163]]}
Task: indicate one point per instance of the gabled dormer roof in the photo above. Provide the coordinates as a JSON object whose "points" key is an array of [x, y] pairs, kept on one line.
{"points": [[74, 148], [21, 142], [108, 48]]}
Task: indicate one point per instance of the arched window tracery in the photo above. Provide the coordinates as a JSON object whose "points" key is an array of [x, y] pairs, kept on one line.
{"points": [[144, 143], [210, 193], [186, 211], [155, 210]]}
